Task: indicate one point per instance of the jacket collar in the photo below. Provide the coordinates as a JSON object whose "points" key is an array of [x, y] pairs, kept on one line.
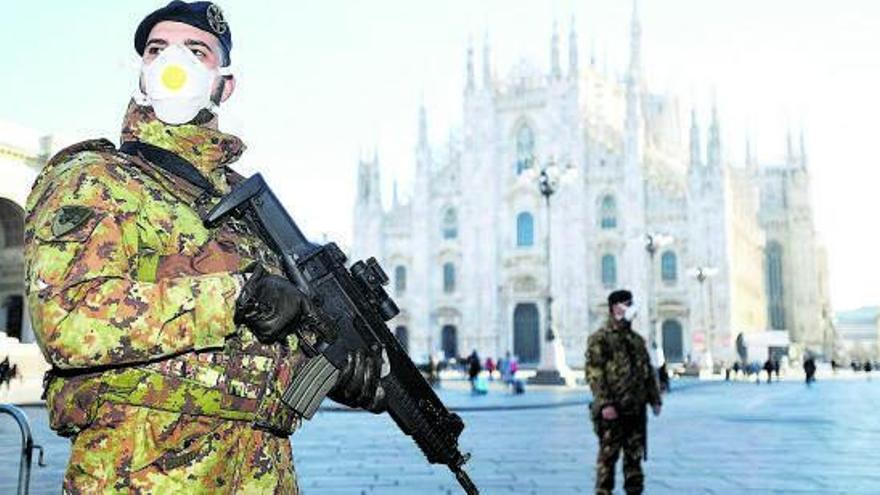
{"points": [[206, 148]]}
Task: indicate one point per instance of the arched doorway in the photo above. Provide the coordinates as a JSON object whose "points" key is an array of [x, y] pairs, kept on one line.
{"points": [[449, 340], [11, 224], [13, 311], [12, 271], [526, 333], [402, 336], [673, 341]]}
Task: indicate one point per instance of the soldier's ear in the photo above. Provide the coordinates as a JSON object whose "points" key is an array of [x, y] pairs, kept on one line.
{"points": [[227, 87]]}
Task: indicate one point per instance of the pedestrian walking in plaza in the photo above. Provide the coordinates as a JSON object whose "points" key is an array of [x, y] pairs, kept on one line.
{"points": [[490, 367], [5, 375], [776, 369], [868, 369], [755, 368], [768, 367], [663, 377], [810, 370], [504, 368], [474, 367], [433, 374], [735, 370], [618, 369]]}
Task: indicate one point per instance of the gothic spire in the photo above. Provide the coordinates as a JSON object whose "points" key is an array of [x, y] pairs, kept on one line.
{"points": [[713, 152], [803, 156], [789, 148], [423, 126], [556, 70], [749, 157], [369, 193], [696, 158], [635, 47], [469, 85], [487, 62], [633, 77], [572, 51]]}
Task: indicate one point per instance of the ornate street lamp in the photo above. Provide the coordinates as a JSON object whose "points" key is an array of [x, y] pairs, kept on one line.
{"points": [[701, 274], [553, 369]]}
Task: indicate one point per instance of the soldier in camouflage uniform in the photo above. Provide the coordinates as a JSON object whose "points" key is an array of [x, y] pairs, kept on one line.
{"points": [[622, 380], [169, 358]]}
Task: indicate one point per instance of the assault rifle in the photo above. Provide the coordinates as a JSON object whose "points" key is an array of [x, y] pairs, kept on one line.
{"points": [[348, 311]]}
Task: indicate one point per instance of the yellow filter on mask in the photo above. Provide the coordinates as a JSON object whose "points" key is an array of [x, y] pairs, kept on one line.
{"points": [[173, 77]]}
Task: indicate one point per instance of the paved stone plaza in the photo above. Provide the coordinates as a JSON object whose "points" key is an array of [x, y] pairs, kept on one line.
{"points": [[714, 438]]}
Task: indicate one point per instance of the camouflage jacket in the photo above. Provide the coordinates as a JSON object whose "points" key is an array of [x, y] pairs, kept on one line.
{"points": [[132, 297], [619, 370]]}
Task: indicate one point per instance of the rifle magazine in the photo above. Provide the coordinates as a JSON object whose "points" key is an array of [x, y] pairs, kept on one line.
{"points": [[309, 387]]}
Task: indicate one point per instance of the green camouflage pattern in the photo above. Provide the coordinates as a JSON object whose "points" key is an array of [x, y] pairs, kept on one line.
{"points": [[624, 433], [141, 450], [618, 369], [132, 303]]}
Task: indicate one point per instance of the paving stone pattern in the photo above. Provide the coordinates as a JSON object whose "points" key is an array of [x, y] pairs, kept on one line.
{"points": [[715, 438]]}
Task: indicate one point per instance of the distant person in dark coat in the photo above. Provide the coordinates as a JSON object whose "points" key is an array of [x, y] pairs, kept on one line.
{"points": [[474, 367], [663, 378], [768, 367], [810, 369]]}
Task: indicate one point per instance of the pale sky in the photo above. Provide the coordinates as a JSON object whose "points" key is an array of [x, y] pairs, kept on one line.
{"points": [[320, 81]]}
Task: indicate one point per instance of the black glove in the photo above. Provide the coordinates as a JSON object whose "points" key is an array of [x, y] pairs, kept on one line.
{"points": [[269, 305], [358, 385]]}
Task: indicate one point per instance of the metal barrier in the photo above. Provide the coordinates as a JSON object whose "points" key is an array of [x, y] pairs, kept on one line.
{"points": [[27, 447]]}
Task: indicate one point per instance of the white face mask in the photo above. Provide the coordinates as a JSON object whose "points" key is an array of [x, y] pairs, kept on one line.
{"points": [[631, 312], [177, 85]]}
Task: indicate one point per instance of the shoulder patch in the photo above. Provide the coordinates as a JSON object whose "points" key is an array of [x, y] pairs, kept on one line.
{"points": [[69, 218]]}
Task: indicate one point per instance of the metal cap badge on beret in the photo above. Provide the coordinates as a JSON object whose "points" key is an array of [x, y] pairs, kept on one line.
{"points": [[619, 296], [206, 16]]}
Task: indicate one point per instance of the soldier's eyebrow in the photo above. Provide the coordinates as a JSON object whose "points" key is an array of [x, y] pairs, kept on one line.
{"points": [[157, 41], [198, 43]]}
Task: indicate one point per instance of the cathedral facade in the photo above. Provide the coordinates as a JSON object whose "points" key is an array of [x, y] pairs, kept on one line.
{"points": [[711, 249]]}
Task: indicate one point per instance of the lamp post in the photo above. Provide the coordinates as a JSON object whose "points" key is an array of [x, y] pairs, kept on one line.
{"points": [[553, 370], [548, 185], [701, 274], [653, 243]]}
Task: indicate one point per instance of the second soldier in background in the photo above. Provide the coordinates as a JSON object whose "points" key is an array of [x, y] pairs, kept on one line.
{"points": [[623, 383]]}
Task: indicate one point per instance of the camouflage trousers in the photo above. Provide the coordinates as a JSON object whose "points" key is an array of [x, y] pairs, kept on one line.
{"points": [[140, 450], [627, 434]]}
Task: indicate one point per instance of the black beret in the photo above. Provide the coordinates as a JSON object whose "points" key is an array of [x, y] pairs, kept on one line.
{"points": [[206, 16], [619, 296]]}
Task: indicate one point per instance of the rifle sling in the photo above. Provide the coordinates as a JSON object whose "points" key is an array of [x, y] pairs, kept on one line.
{"points": [[170, 162]]}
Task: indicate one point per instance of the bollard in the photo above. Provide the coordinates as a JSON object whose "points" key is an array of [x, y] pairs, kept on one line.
{"points": [[27, 447]]}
